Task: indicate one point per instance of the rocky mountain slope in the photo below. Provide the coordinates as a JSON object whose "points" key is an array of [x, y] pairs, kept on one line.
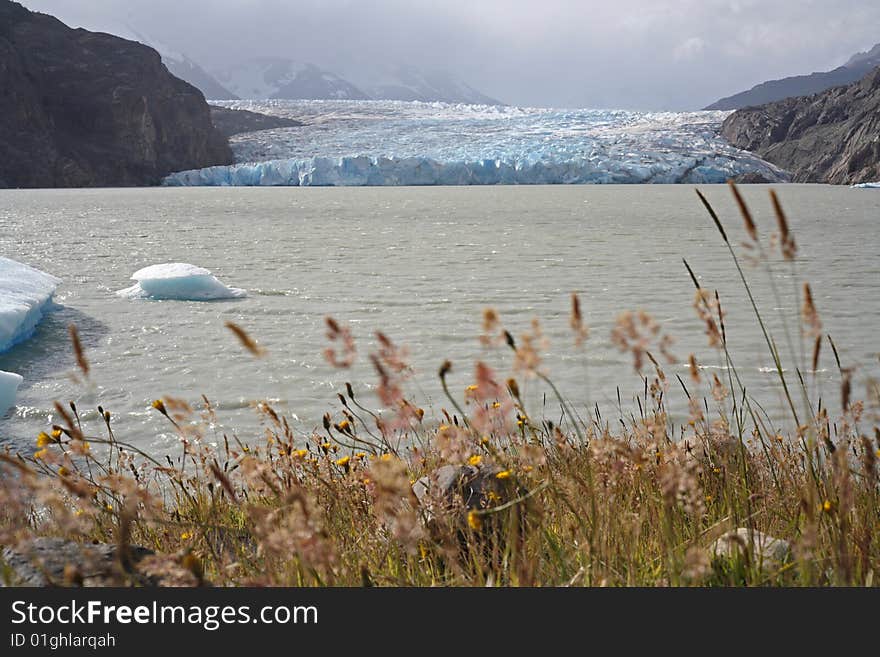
{"points": [[88, 109], [855, 69], [236, 121], [832, 137]]}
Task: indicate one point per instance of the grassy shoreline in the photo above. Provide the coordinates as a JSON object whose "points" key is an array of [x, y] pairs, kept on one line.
{"points": [[487, 494]]}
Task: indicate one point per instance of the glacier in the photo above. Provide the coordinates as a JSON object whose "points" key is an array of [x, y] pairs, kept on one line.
{"points": [[25, 296], [9, 383], [178, 281], [419, 143], [867, 185]]}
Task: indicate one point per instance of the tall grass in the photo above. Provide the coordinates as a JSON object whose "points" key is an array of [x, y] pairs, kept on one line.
{"points": [[630, 500]]}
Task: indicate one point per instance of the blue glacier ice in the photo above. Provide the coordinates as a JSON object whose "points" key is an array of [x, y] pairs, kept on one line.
{"points": [[400, 143], [178, 281], [9, 383], [25, 295]]}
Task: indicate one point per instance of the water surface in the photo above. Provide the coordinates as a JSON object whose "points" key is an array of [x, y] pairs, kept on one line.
{"points": [[420, 264]]}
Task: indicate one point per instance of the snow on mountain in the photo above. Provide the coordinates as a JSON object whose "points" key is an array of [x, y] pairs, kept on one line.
{"points": [[411, 83], [278, 78]]}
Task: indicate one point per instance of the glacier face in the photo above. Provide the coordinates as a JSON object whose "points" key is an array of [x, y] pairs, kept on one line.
{"points": [[9, 383], [25, 295], [415, 143]]}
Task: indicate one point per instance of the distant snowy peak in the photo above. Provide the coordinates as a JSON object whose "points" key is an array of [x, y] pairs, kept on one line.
{"points": [[284, 79], [409, 83]]}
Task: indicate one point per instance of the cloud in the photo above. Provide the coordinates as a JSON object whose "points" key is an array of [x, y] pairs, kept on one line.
{"points": [[653, 54], [689, 49]]}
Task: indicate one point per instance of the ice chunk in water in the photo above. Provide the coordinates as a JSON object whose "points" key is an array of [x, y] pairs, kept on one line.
{"points": [[9, 383], [179, 281], [25, 295]]}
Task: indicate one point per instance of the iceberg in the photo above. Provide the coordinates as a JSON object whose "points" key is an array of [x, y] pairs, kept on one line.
{"points": [[357, 143], [178, 281], [9, 383], [867, 185], [25, 295]]}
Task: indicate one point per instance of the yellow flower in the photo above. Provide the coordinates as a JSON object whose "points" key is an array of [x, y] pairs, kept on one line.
{"points": [[475, 522], [43, 439], [386, 457], [471, 388], [475, 459], [528, 468], [360, 455], [344, 425], [63, 472], [343, 462], [108, 507], [301, 453], [326, 447], [826, 507], [185, 536], [40, 454], [716, 470], [493, 496], [496, 405], [519, 423], [484, 440], [159, 405], [504, 474], [79, 512], [443, 427], [56, 434], [709, 498]]}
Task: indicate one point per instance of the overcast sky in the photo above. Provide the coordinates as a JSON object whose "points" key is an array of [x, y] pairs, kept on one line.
{"points": [[643, 54]]}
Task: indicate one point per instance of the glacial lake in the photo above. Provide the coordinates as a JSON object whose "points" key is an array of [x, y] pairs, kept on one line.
{"points": [[420, 264]]}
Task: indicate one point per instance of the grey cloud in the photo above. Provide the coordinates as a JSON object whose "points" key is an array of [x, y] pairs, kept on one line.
{"points": [[638, 54]]}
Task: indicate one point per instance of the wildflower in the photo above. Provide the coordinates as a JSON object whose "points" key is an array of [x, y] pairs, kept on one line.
{"points": [[474, 521], [475, 459], [504, 474], [496, 405], [109, 507], [43, 439], [343, 462], [185, 536], [826, 506], [159, 405], [470, 388], [63, 472], [41, 454], [493, 496], [485, 441], [386, 457], [301, 453], [56, 434], [343, 426], [360, 455], [326, 447]]}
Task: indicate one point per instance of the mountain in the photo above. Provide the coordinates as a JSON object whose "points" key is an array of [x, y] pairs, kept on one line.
{"points": [[410, 83], [179, 64], [855, 69], [278, 78], [86, 109], [830, 137]]}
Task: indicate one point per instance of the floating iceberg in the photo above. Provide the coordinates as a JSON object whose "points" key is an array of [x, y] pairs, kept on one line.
{"points": [[179, 281], [868, 185], [9, 383], [25, 295], [399, 143]]}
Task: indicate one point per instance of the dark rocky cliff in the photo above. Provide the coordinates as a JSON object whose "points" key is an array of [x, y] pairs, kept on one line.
{"points": [[84, 109], [832, 137]]}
